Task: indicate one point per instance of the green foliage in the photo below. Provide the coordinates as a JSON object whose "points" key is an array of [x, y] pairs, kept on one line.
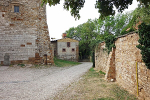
{"points": [[113, 25], [121, 20], [64, 63], [130, 26], [93, 73], [122, 94], [87, 36], [101, 72], [74, 6], [21, 65], [144, 43], [91, 69], [109, 40], [143, 14], [91, 33], [105, 7]]}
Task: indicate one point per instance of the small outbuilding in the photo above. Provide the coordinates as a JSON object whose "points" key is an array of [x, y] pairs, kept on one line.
{"points": [[66, 48]]}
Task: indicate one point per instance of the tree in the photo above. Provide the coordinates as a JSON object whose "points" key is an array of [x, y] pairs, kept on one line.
{"points": [[105, 7], [85, 33], [139, 15], [143, 14], [113, 24]]}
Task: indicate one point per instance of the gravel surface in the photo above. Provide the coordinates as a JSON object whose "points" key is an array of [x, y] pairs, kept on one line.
{"points": [[37, 84]]}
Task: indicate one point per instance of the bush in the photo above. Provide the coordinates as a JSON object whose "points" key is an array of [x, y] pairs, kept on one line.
{"points": [[144, 43]]}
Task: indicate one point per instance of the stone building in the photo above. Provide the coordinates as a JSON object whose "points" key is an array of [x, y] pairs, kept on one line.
{"points": [[66, 48], [24, 32]]}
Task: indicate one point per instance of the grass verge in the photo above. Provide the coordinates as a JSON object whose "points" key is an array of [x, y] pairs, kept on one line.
{"points": [[92, 86], [64, 63]]}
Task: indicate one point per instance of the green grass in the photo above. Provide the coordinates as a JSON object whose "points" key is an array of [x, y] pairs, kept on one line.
{"points": [[64, 63], [92, 73], [21, 65], [117, 92], [122, 94], [104, 98], [102, 72], [92, 86]]}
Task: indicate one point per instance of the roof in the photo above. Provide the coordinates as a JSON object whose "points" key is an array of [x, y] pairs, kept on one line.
{"points": [[67, 40]]}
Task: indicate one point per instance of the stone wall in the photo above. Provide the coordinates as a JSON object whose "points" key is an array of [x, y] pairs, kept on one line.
{"points": [[101, 57], [54, 46], [24, 35], [71, 53], [126, 54]]}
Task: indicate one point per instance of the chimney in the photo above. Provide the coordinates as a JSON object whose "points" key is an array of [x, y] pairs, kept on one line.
{"points": [[64, 35]]}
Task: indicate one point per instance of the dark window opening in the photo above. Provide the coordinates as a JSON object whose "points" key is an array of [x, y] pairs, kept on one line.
{"points": [[63, 50], [16, 8], [73, 49], [68, 44]]}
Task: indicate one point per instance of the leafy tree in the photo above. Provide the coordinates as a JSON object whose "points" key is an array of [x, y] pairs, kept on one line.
{"points": [[109, 40], [74, 33], [113, 24], [122, 21], [129, 27], [105, 7], [142, 14], [85, 33], [94, 31]]}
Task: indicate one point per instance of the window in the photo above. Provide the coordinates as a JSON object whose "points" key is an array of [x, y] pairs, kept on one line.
{"points": [[73, 49], [63, 50], [68, 44], [16, 8]]}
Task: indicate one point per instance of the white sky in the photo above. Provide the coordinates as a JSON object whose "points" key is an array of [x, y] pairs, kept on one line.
{"points": [[59, 20]]}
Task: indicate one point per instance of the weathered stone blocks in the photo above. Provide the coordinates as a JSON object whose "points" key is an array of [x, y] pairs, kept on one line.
{"points": [[126, 55], [25, 33]]}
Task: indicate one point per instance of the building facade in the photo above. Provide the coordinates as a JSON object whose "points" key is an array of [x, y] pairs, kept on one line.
{"points": [[68, 49], [24, 32]]}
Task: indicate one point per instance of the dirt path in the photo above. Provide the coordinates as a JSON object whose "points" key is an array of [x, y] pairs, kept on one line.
{"points": [[37, 84], [92, 86]]}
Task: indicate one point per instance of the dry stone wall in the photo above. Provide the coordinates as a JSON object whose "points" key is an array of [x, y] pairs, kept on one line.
{"points": [[125, 56], [24, 35]]}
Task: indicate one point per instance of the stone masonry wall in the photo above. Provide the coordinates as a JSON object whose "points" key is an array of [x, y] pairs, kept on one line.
{"points": [[101, 56], [126, 55], [24, 35]]}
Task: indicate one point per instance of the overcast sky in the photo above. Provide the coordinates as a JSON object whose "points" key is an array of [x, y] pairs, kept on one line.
{"points": [[59, 20]]}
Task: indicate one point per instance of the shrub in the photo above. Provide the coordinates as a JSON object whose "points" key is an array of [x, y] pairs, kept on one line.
{"points": [[144, 43]]}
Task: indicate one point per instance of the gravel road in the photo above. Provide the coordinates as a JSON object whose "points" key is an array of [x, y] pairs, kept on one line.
{"points": [[37, 84]]}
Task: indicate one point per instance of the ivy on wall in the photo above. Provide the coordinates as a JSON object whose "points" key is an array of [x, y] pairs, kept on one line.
{"points": [[144, 43], [109, 40]]}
